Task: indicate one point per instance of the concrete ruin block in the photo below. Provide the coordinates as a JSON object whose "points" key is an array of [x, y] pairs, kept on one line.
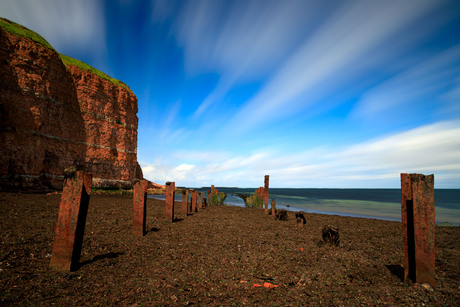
{"points": [[265, 191], [331, 235], [140, 207], [273, 207], [170, 187], [194, 197], [300, 219], [70, 227], [418, 227], [185, 202], [200, 200]]}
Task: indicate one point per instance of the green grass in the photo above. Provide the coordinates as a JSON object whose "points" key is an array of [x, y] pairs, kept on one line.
{"points": [[445, 224], [71, 61], [113, 191], [18, 30], [21, 31]]}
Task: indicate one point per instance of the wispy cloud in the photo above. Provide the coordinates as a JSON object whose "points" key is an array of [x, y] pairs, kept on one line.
{"points": [[69, 26], [434, 80], [377, 163], [240, 40], [334, 53]]}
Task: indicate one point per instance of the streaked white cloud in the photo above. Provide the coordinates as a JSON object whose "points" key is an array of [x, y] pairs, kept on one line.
{"points": [[434, 79], [376, 163], [240, 40], [69, 26], [356, 35]]}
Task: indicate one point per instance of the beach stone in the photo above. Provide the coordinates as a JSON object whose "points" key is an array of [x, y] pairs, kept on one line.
{"points": [[331, 235], [300, 219], [70, 228], [281, 215], [139, 207], [418, 225], [265, 191], [169, 203]]}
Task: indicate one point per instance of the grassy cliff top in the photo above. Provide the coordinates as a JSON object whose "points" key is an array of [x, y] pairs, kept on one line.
{"points": [[71, 61], [21, 31]]}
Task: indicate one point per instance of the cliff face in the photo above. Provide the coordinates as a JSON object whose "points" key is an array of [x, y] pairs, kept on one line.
{"points": [[110, 122], [53, 117]]}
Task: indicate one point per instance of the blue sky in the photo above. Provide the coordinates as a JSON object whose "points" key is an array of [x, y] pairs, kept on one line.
{"points": [[317, 94]]}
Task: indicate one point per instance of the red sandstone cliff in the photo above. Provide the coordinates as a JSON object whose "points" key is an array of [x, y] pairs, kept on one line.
{"points": [[53, 117], [110, 120]]}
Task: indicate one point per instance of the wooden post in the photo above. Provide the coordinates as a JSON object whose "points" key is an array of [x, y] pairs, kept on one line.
{"points": [[140, 207], [194, 194], [418, 226], [266, 194], [184, 202], [170, 187], [70, 227], [200, 200]]}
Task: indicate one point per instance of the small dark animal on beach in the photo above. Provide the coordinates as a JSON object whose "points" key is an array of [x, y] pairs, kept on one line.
{"points": [[300, 219]]}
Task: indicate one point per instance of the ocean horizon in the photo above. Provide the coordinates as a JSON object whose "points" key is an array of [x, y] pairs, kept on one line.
{"points": [[382, 204]]}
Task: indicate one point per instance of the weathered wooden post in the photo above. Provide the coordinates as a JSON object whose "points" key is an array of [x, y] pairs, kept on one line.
{"points": [[184, 202], [194, 195], [418, 227], [70, 227], [214, 196], [140, 207], [170, 187], [200, 200], [209, 199], [266, 194], [273, 207]]}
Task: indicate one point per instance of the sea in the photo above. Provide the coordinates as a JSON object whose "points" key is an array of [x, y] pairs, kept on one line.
{"points": [[382, 204]]}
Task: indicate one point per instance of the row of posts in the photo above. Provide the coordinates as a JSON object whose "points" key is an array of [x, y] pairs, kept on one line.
{"points": [[140, 197], [417, 217], [73, 209]]}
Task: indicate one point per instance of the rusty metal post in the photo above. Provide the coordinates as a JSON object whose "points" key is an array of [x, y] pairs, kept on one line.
{"points": [[184, 202], [200, 200], [209, 199], [170, 187], [418, 227], [273, 207], [70, 227], [266, 194], [140, 207], [194, 196]]}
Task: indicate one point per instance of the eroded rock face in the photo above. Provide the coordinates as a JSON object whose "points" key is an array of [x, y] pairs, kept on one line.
{"points": [[53, 117], [110, 120]]}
